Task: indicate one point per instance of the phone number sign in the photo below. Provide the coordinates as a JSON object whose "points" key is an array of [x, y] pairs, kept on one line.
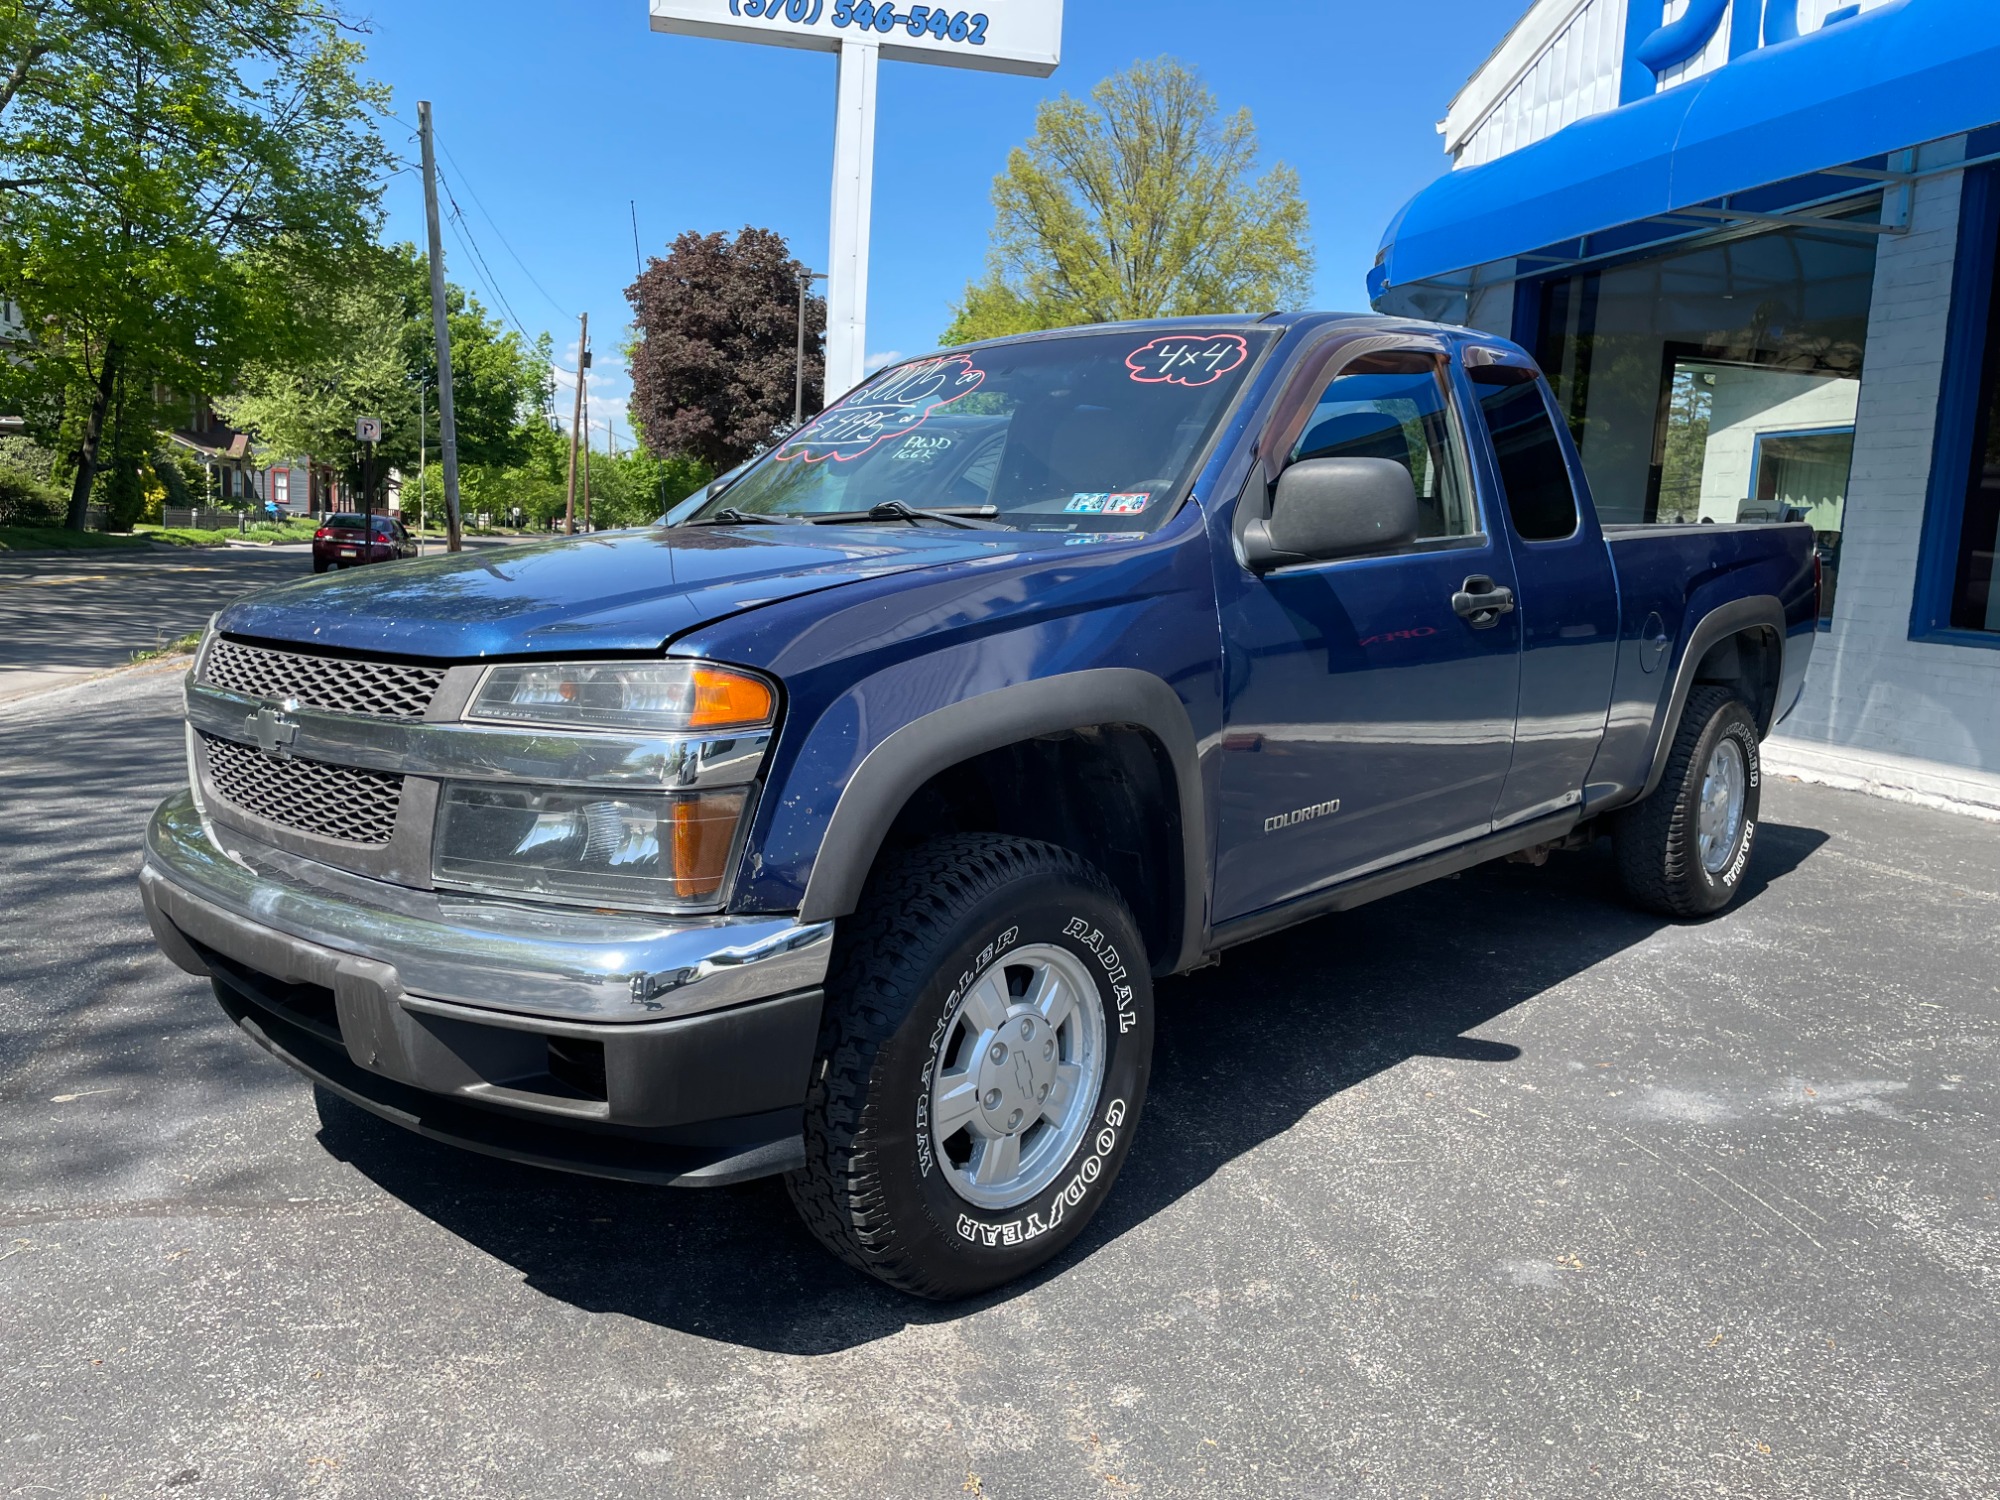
{"points": [[999, 36]]}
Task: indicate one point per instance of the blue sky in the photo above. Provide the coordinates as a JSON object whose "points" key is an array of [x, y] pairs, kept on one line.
{"points": [[558, 117]]}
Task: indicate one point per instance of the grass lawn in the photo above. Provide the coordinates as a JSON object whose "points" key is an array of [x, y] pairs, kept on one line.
{"points": [[263, 531], [61, 538], [48, 538], [185, 646]]}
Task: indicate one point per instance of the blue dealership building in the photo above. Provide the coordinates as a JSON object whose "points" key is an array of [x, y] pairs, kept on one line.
{"points": [[1752, 243]]}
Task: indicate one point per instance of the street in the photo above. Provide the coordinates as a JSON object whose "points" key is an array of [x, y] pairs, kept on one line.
{"points": [[1493, 1188], [67, 615]]}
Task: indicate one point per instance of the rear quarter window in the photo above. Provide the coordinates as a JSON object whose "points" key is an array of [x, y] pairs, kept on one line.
{"points": [[1540, 499]]}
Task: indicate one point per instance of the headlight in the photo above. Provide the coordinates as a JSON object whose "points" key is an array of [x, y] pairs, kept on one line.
{"points": [[667, 697], [662, 853]]}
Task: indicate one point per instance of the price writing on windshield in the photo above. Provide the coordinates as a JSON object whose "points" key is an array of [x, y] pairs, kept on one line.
{"points": [[1180, 359], [888, 408], [941, 24]]}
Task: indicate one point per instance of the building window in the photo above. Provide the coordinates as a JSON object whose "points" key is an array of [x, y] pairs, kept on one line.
{"points": [[281, 487], [1974, 602], [1957, 596], [1718, 383]]}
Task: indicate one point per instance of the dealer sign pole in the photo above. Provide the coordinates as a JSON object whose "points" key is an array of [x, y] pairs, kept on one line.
{"points": [[998, 36]]}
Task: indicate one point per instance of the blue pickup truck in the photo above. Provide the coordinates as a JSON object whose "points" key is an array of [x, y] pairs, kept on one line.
{"points": [[839, 825]]}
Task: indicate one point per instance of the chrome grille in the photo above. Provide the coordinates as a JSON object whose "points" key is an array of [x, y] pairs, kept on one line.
{"points": [[334, 802], [387, 688]]}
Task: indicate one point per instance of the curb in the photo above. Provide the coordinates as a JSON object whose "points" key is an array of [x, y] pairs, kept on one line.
{"points": [[39, 697]]}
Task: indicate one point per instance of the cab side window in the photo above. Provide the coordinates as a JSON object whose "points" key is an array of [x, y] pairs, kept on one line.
{"points": [[1540, 498], [1397, 406]]}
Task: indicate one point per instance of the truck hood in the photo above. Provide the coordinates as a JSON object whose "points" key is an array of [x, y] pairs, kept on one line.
{"points": [[616, 591]]}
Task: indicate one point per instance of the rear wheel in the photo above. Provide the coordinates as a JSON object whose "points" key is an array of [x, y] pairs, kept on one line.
{"points": [[319, 565], [1682, 852], [982, 1062]]}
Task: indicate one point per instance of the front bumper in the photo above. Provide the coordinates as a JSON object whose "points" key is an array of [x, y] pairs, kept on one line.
{"points": [[620, 1046]]}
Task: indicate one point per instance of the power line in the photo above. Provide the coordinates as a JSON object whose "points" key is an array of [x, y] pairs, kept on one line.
{"points": [[477, 272], [464, 230], [473, 193]]}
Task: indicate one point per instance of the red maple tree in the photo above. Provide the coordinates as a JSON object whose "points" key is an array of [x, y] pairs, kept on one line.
{"points": [[714, 367]]}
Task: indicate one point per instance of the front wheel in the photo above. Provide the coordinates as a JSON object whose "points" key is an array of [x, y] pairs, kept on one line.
{"points": [[1682, 852], [982, 1062]]}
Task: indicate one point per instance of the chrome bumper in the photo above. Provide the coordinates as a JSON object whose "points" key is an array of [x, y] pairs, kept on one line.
{"points": [[552, 964]]}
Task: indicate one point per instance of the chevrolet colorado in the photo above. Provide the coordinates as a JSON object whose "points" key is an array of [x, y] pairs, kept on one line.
{"points": [[840, 828]]}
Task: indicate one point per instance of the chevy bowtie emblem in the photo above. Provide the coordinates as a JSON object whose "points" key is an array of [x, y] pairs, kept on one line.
{"points": [[273, 732]]}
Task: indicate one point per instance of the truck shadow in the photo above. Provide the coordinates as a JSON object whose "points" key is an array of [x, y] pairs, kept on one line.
{"points": [[1245, 1050]]}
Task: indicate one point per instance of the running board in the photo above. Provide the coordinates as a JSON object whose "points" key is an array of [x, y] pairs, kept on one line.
{"points": [[1353, 893]]}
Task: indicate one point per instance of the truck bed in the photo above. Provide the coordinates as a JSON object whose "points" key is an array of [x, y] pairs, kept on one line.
{"points": [[1675, 583]]}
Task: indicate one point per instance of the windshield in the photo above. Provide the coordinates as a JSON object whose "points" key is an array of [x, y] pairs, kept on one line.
{"points": [[1090, 432]]}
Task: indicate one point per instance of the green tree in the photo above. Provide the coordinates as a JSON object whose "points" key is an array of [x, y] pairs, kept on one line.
{"points": [[501, 382], [170, 173], [307, 407], [1142, 203], [634, 487], [379, 354]]}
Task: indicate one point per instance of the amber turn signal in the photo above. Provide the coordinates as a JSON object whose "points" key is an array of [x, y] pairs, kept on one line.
{"points": [[704, 828], [729, 700]]}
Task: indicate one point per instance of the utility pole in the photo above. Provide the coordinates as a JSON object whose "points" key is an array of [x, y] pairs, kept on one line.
{"points": [[576, 417], [806, 278], [586, 461], [441, 333]]}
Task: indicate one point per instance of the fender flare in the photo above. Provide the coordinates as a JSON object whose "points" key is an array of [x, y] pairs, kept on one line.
{"points": [[1738, 616], [891, 772]]}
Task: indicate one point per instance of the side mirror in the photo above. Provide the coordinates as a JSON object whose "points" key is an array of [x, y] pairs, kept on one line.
{"points": [[1327, 508]]}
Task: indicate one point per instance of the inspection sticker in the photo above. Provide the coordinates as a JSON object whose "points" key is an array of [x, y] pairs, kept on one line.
{"points": [[1091, 501], [1126, 505]]}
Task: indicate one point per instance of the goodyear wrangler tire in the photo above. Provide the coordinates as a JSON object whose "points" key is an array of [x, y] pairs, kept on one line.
{"points": [[982, 1062], [1682, 852]]}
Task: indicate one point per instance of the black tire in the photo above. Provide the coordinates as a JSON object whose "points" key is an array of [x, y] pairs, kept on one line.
{"points": [[319, 565], [929, 924], [1657, 840]]}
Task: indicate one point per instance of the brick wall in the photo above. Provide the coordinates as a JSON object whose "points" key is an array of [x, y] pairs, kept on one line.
{"points": [[1873, 693]]}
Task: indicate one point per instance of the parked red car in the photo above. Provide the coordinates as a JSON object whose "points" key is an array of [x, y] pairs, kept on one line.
{"points": [[343, 540]]}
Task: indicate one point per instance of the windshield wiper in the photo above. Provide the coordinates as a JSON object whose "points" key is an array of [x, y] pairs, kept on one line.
{"points": [[729, 515], [968, 517]]}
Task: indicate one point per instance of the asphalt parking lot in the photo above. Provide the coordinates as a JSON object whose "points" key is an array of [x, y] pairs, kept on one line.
{"points": [[1494, 1188]]}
